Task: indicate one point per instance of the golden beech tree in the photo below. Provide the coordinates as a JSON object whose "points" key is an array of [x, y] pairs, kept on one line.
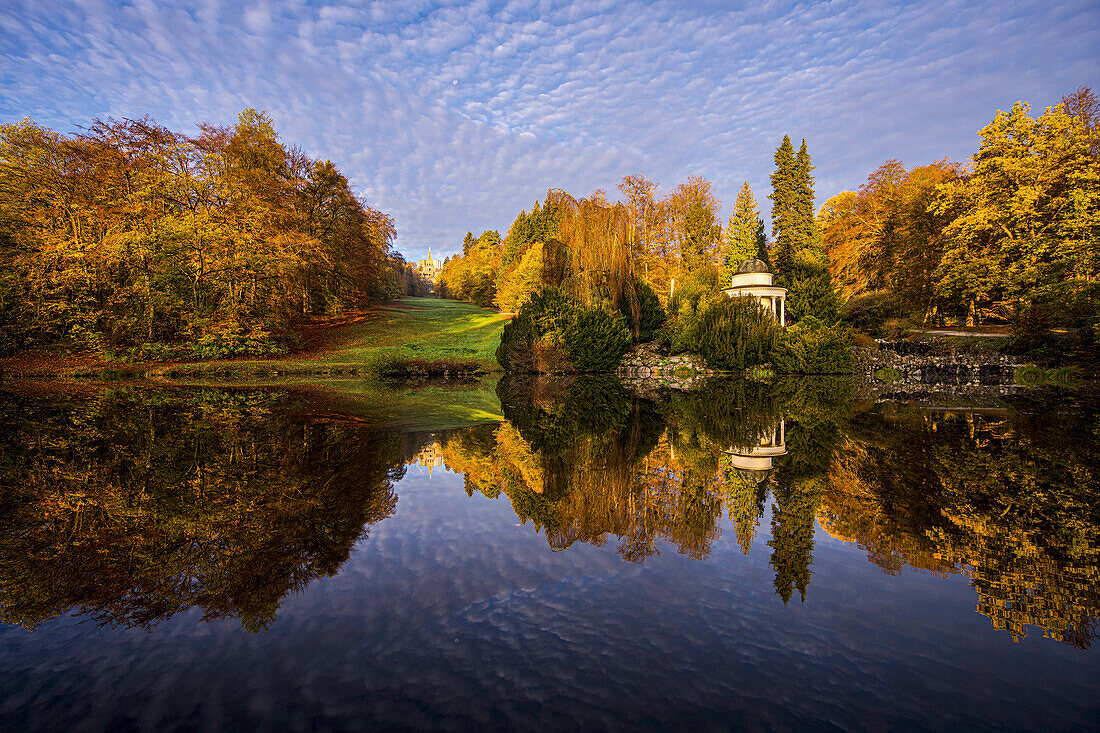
{"points": [[1026, 221], [129, 235]]}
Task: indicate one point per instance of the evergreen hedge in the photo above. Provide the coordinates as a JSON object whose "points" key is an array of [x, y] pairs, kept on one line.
{"points": [[553, 332], [813, 347], [730, 333]]}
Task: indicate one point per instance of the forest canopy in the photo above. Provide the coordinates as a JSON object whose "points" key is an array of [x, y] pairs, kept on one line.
{"points": [[1014, 233], [128, 236], [1011, 237]]}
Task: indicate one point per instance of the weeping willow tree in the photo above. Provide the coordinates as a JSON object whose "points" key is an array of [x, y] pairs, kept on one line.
{"points": [[596, 235]]}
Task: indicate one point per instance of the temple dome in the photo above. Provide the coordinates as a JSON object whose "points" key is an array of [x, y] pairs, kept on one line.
{"points": [[753, 266], [754, 476]]}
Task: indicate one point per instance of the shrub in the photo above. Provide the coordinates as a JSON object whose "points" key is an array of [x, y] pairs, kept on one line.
{"points": [[540, 319], [231, 339], [651, 314], [696, 289], [887, 374], [731, 333], [406, 367], [810, 293], [896, 329], [596, 340], [552, 332], [864, 341], [869, 312], [517, 342], [157, 351], [812, 347]]}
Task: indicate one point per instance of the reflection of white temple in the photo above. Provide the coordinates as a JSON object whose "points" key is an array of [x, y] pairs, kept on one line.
{"points": [[753, 278], [754, 462], [429, 457]]}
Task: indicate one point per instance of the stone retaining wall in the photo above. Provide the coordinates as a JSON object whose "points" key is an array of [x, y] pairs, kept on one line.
{"points": [[644, 364], [918, 365]]}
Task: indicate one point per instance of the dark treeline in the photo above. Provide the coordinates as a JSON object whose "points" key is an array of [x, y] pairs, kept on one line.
{"points": [[131, 237]]}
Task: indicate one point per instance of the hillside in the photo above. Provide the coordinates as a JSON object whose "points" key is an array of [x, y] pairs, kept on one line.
{"points": [[359, 342]]}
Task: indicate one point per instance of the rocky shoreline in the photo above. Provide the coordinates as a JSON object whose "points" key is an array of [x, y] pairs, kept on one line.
{"points": [[906, 365], [645, 366], [912, 368]]}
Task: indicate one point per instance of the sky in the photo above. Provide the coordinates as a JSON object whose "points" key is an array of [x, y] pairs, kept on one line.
{"points": [[455, 116]]}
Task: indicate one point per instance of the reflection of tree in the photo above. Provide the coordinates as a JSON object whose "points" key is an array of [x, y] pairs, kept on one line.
{"points": [[1009, 498], [817, 408], [1010, 502], [792, 541], [136, 505], [745, 501], [583, 459]]}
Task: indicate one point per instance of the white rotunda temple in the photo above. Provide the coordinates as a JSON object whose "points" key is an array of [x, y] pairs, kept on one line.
{"points": [[753, 278]]}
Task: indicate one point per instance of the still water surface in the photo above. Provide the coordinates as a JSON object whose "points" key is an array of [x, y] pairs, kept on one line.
{"points": [[777, 556]]}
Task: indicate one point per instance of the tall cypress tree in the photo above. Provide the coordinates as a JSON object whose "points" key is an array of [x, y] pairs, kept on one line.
{"points": [[785, 207], [799, 255], [811, 285]]}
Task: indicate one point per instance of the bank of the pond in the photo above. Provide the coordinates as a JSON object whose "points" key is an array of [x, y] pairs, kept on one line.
{"points": [[925, 362], [412, 335]]}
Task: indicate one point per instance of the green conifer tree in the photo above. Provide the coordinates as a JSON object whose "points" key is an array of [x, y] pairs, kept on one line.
{"points": [[808, 279], [741, 241], [785, 209], [762, 243], [519, 237], [808, 236]]}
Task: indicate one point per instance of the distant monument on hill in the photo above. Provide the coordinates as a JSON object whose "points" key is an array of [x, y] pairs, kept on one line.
{"points": [[429, 268]]}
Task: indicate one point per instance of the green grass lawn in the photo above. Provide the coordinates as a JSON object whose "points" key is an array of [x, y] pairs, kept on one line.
{"points": [[424, 328], [338, 373], [412, 328]]}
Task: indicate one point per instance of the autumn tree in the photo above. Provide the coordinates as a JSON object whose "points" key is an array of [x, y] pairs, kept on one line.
{"points": [[640, 193], [1085, 107], [884, 239], [131, 237], [1024, 225]]}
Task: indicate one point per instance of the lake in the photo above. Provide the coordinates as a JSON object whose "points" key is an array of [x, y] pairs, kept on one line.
{"points": [[787, 555]]}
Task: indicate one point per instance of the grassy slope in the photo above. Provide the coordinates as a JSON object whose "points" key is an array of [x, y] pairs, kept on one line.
{"points": [[424, 328]]}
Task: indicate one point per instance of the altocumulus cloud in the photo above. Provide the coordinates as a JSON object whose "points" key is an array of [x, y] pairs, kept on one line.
{"points": [[453, 116]]}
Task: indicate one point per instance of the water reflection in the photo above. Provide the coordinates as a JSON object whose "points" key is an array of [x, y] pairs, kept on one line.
{"points": [[1006, 497], [132, 505], [754, 462], [584, 460]]}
